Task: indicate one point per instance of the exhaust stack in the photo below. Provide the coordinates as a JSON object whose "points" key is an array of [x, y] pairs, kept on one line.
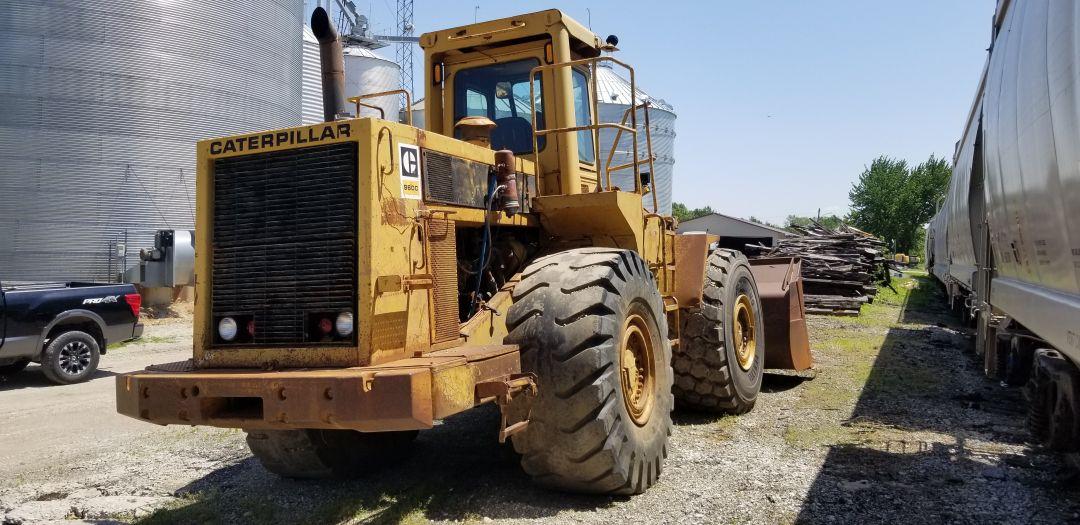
{"points": [[332, 61]]}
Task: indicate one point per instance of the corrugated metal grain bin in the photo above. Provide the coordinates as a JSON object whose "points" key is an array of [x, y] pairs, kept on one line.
{"points": [[366, 73], [613, 99], [101, 104]]}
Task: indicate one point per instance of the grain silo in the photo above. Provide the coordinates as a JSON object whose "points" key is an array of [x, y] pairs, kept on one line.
{"points": [[365, 73], [101, 105], [312, 107], [614, 98]]}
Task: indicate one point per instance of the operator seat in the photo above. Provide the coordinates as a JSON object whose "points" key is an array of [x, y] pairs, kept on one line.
{"points": [[512, 133]]}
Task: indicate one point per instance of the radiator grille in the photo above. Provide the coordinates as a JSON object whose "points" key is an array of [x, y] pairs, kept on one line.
{"points": [[284, 241], [454, 180], [442, 243]]}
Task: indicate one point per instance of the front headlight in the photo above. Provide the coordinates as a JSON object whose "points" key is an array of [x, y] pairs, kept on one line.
{"points": [[344, 324], [226, 328]]}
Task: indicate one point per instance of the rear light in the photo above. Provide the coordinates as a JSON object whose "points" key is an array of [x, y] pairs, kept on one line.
{"points": [[325, 326], [134, 301]]}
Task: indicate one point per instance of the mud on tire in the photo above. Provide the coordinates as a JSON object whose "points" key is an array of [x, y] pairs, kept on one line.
{"points": [[568, 318], [316, 453], [707, 374]]}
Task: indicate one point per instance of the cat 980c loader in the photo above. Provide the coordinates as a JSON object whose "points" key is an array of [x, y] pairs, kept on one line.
{"points": [[360, 279]]}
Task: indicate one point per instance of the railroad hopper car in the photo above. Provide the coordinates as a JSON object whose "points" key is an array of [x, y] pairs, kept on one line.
{"points": [[1006, 241]]}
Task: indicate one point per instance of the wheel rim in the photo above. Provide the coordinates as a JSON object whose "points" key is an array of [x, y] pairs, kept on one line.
{"points": [[638, 373], [745, 333], [74, 358]]}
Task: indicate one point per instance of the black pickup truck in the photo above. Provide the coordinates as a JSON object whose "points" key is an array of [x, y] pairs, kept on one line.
{"points": [[64, 326]]}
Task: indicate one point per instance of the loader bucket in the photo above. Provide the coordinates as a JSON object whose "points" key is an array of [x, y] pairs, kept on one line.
{"points": [[779, 282]]}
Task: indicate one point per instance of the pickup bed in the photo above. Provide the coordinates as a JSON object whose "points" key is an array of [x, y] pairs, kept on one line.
{"points": [[65, 327]]}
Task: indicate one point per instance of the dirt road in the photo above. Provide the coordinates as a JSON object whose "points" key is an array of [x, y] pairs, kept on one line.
{"points": [[42, 419], [898, 427]]}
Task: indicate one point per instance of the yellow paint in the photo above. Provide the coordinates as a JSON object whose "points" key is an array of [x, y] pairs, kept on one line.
{"points": [[395, 296]]}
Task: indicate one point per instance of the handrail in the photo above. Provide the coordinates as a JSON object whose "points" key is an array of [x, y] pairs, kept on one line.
{"points": [[594, 126], [408, 102]]}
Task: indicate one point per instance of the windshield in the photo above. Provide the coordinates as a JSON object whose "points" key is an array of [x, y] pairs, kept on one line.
{"points": [[500, 92]]}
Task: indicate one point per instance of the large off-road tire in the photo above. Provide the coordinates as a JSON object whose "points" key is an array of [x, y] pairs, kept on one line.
{"points": [[316, 453], [591, 325], [14, 368], [720, 358], [71, 357]]}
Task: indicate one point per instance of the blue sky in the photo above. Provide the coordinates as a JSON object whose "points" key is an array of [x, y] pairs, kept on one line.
{"points": [[780, 104]]}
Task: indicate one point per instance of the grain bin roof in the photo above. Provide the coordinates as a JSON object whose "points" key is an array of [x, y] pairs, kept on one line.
{"points": [[614, 89]]}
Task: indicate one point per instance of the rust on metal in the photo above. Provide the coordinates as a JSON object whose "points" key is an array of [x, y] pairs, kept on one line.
{"points": [[519, 388], [636, 365], [779, 281], [406, 394], [507, 179], [442, 254], [691, 254], [745, 332]]}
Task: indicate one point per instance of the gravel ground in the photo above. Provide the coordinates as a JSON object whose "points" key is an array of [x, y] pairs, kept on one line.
{"points": [[898, 426]]}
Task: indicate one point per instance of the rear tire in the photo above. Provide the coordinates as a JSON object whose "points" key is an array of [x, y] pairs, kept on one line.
{"points": [[14, 368], [71, 357], [710, 373], [591, 325], [317, 453]]}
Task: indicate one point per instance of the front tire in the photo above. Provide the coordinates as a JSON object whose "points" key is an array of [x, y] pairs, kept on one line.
{"points": [[71, 357], [591, 325], [720, 359], [317, 453]]}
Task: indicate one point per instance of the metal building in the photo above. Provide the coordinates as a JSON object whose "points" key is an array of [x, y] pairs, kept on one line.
{"points": [[734, 233], [613, 99], [366, 72], [101, 104]]}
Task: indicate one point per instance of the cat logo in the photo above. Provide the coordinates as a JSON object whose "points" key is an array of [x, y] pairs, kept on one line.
{"points": [[409, 156]]}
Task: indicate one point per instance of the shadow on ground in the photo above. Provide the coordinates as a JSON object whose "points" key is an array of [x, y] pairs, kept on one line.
{"points": [[32, 377], [458, 471], [940, 442]]}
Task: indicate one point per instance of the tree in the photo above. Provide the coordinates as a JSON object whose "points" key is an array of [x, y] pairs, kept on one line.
{"points": [[893, 201], [756, 220], [683, 214]]}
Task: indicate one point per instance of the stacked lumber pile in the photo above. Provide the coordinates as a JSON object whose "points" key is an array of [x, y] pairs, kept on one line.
{"points": [[840, 268]]}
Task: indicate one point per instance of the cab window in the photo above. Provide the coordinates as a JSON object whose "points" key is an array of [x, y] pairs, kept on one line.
{"points": [[583, 117], [500, 92]]}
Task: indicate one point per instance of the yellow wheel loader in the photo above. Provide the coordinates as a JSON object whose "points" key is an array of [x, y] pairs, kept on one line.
{"points": [[360, 279]]}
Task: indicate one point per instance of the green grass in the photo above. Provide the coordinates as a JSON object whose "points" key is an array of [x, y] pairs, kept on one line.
{"points": [[860, 359]]}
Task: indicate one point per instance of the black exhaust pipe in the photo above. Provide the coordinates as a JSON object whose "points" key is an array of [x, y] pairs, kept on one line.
{"points": [[332, 60]]}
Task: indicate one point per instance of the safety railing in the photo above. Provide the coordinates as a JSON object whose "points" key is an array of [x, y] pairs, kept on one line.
{"points": [[628, 124], [382, 114]]}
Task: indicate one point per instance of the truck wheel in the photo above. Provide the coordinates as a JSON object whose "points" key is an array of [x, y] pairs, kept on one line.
{"points": [[14, 368], [591, 325], [317, 453], [71, 357], [721, 354]]}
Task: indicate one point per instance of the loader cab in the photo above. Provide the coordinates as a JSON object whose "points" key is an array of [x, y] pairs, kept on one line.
{"points": [[489, 70]]}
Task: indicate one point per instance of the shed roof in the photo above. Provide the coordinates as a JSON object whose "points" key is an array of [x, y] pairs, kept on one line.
{"points": [[690, 224]]}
